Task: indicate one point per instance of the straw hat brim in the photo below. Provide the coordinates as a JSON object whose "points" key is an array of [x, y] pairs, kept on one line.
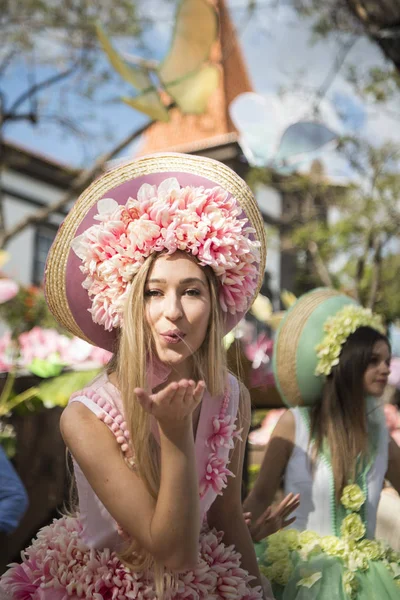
{"points": [[302, 329], [66, 298]]}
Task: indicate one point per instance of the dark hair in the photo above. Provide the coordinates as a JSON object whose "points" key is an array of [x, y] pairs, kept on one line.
{"points": [[340, 416]]}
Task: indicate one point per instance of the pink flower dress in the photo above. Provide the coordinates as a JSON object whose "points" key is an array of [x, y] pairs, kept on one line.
{"points": [[76, 557]]}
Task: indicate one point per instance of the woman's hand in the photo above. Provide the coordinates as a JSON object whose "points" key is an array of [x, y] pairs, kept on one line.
{"points": [[175, 403], [272, 520]]}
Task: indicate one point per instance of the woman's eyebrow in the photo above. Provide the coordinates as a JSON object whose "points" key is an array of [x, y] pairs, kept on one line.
{"points": [[187, 280]]}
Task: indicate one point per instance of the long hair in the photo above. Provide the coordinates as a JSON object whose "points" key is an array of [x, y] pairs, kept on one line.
{"points": [[131, 361], [340, 419]]}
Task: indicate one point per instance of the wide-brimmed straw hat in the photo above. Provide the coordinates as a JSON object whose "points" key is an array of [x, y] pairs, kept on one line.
{"points": [[295, 356], [133, 205]]}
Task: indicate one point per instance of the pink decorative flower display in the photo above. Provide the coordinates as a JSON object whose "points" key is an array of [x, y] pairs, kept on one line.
{"points": [[205, 222], [261, 436], [8, 290], [259, 352], [48, 344]]}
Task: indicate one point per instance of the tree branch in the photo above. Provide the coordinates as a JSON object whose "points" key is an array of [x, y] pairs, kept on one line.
{"points": [[319, 264], [78, 185], [360, 269], [34, 89], [376, 273]]}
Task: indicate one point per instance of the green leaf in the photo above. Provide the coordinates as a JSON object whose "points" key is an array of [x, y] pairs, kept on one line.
{"points": [[192, 93], [58, 391], [45, 368], [136, 76], [196, 29], [150, 104]]}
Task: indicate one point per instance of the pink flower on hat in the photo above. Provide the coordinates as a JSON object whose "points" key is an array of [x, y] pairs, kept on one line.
{"points": [[204, 222]]}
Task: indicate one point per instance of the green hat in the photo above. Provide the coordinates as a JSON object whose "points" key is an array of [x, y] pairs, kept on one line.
{"points": [[309, 341]]}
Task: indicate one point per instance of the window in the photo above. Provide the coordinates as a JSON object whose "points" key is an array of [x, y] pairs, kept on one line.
{"points": [[44, 237]]}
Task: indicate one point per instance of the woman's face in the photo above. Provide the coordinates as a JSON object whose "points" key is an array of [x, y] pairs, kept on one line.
{"points": [[178, 306], [377, 373]]}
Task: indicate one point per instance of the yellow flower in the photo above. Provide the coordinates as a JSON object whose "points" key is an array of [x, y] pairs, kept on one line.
{"points": [[309, 548], [350, 584], [357, 561], [337, 329], [305, 537], [290, 537], [276, 551], [372, 550], [352, 527], [310, 580], [352, 497], [333, 546], [395, 568], [280, 571]]}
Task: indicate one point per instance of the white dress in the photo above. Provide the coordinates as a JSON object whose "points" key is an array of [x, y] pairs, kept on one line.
{"points": [[316, 488]]}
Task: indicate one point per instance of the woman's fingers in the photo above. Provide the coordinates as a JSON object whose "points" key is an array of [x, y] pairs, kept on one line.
{"points": [[199, 391], [288, 522], [182, 396], [247, 518], [144, 399]]}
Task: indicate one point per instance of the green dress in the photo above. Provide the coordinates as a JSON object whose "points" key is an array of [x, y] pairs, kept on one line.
{"points": [[331, 555]]}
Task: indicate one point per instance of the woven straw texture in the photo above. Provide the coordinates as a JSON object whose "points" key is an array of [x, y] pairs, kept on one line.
{"points": [[55, 273], [287, 341]]}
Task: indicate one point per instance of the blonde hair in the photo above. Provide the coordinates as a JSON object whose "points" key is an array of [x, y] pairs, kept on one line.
{"points": [[131, 361]]}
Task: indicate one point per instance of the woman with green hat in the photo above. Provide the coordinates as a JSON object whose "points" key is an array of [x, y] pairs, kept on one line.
{"points": [[331, 364]]}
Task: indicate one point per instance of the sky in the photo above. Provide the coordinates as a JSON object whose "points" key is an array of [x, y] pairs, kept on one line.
{"points": [[279, 54]]}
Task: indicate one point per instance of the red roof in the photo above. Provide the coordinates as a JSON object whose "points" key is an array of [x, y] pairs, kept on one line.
{"points": [[184, 131]]}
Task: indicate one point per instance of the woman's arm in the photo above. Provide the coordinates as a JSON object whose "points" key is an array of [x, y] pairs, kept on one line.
{"points": [[273, 467], [226, 512], [166, 527], [393, 470]]}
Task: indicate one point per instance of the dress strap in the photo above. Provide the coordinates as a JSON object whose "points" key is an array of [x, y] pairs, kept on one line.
{"points": [[111, 416]]}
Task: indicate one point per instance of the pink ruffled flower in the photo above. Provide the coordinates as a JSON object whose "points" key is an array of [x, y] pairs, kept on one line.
{"points": [[6, 352], [204, 222], [59, 566], [223, 433], [216, 475]]}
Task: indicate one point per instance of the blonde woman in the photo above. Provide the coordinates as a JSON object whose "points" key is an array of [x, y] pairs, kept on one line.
{"points": [[157, 260]]}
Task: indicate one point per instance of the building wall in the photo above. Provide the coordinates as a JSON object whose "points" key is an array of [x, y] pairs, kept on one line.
{"points": [[22, 196]]}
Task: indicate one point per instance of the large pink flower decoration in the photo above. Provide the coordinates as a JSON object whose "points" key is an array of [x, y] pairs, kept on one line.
{"points": [[205, 222]]}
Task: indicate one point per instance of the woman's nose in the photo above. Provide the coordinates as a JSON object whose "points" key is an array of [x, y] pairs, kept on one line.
{"points": [[173, 308]]}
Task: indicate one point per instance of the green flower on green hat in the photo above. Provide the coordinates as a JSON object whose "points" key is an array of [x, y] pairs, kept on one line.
{"points": [[338, 328]]}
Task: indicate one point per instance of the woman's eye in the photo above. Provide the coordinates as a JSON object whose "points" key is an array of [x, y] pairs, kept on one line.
{"points": [[192, 292], [152, 293]]}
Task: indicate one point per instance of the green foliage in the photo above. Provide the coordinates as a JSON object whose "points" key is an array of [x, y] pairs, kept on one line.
{"points": [[26, 310], [57, 391], [359, 248], [378, 84]]}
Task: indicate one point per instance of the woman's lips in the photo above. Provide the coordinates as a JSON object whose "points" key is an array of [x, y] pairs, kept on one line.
{"points": [[172, 337]]}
